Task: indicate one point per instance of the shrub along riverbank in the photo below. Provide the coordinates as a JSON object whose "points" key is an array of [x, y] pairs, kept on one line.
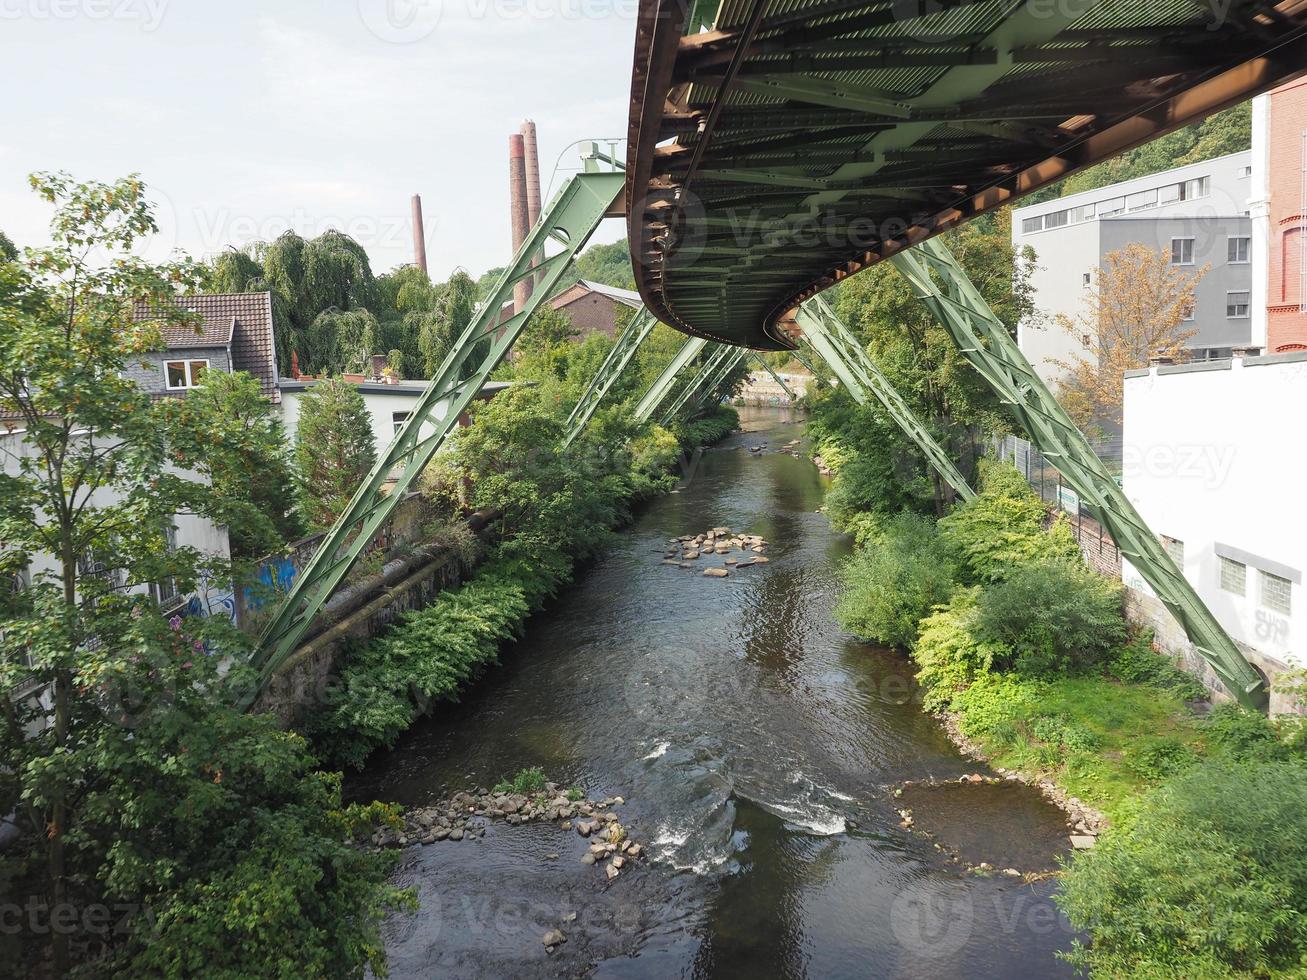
{"points": [[1203, 870], [557, 511]]}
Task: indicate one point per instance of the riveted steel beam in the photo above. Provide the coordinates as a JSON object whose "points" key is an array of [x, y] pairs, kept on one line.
{"points": [[775, 377], [652, 398], [940, 281], [567, 221], [716, 358], [635, 334], [856, 371]]}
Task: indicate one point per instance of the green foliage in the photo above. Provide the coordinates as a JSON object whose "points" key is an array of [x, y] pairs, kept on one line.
{"points": [[574, 794], [1003, 528], [950, 650], [338, 341], [135, 780], [712, 427], [1052, 616], [899, 574], [607, 264], [229, 432], [1244, 734], [527, 781], [1210, 881], [334, 449], [8, 250], [1136, 662]]}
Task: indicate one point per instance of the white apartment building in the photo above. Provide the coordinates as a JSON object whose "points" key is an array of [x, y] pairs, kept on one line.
{"points": [[1197, 213]]}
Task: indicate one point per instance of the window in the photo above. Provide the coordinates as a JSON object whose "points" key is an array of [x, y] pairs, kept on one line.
{"points": [[1113, 206], [397, 419], [1196, 188], [1182, 251], [1275, 592], [90, 565], [1057, 219], [1082, 213], [1032, 224], [1188, 313], [1169, 193], [1141, 200], [179, 375], [1085, 279], [1245, 171], [1236, 304], [1234, 576], [1236, 248], [1175, 548], [165, 590]]}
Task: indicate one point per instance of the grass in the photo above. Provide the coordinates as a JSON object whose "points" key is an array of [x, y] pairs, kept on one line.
{"points": [[1101, 740]]}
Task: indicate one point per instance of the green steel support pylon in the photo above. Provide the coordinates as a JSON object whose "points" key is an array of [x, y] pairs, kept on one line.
{"points": [[652, 398], [841, 350], [568, 221], [712, 391], [985, 342], [615, 363], [718, 357], [774, 376]]}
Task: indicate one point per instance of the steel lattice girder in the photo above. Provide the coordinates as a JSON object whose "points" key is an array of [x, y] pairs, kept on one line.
{"points": [[832, 340], [568, 220], [985, 342], [652, 398], [635, 334], [774, 376], [700, 378]]}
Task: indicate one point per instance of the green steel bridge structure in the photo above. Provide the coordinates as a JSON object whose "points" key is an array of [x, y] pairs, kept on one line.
{"points": [[776, 147]]}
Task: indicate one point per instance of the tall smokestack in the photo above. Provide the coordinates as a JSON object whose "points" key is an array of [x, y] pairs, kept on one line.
{"points": [[532, 173], [517, 209], [419, 235]]}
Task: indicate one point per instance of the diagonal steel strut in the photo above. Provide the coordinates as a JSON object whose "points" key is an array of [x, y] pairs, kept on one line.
{"points": [[774, 376], [652, 398], [709, 368], [985, 342], [846, 357], [635, 334], [567, 221]]}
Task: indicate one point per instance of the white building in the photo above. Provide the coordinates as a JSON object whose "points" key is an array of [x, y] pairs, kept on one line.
{"points": [[1212, 472], [389, 404], [1198, 213]]}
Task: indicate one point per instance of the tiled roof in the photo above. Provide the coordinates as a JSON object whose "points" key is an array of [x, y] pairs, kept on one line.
{"points": [[242, 319], [627, 297]]}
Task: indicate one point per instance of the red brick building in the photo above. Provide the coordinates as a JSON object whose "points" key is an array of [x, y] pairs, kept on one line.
{"points": [[1278, 208], [593, 307]]}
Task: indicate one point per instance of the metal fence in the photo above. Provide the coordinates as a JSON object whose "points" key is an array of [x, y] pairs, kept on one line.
{"points": [[1045, 479]]}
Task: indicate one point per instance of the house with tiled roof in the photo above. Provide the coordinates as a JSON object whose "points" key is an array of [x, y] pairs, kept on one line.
{"points": [[593, 306], [233, 333]]}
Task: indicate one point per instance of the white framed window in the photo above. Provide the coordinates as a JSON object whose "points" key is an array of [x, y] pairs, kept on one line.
{"points": [[1057, 219], [1236, 249], [1188, 313], [1192, 189], [1182, 251], [165, 590], [1082, 213], [1141, 200], [1277, 592], [1175, 548], [1234, 576], [1236, 304], [1111, 206], [1245, 171], [92, 565], [397, 420], [1029, 225], [1169, 193], [180, 375], [1085, 279]]}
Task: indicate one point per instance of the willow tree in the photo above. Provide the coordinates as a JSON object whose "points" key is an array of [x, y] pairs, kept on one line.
{"points": [[8, 250], [439, 328], [340, 340]]}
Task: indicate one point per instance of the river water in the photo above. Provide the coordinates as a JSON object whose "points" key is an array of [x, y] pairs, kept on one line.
{"points": [[756, 746]]}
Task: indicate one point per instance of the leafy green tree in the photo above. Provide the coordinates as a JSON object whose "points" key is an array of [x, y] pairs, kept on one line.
{"points": [[340, 340], [134, 780], [334, 449], [235, 271], [8, 250], [439, 327], [607, 264], [227, 431], [916, 354]]}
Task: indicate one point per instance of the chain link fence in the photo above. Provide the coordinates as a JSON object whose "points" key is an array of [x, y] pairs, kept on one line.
{"points": [[1045, 479]]}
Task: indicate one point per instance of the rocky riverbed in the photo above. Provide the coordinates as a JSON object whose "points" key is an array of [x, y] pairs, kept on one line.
{"points": [[721, 550], [464, 817]]}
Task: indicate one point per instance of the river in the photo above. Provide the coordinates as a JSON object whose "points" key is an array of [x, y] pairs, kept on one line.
{"points": [[756, 746]]}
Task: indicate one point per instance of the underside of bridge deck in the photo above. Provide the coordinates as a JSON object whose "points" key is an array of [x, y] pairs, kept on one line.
{"points": [[793, 142]]}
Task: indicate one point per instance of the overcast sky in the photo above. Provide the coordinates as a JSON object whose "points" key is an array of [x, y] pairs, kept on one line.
{"points": [[246, 118]]}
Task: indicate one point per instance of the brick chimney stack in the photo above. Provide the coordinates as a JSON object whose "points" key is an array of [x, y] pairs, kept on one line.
{"points": [[517, 209], [532, 173], [419, 235]]}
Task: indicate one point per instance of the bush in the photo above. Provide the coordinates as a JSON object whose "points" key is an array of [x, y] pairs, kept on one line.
{"points": [[1211, 880], [949, 651], [709, 429], [1052, 616], [1244, 734], [1003, 528], [527, 781], [892, 583], [1136, 662]]}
